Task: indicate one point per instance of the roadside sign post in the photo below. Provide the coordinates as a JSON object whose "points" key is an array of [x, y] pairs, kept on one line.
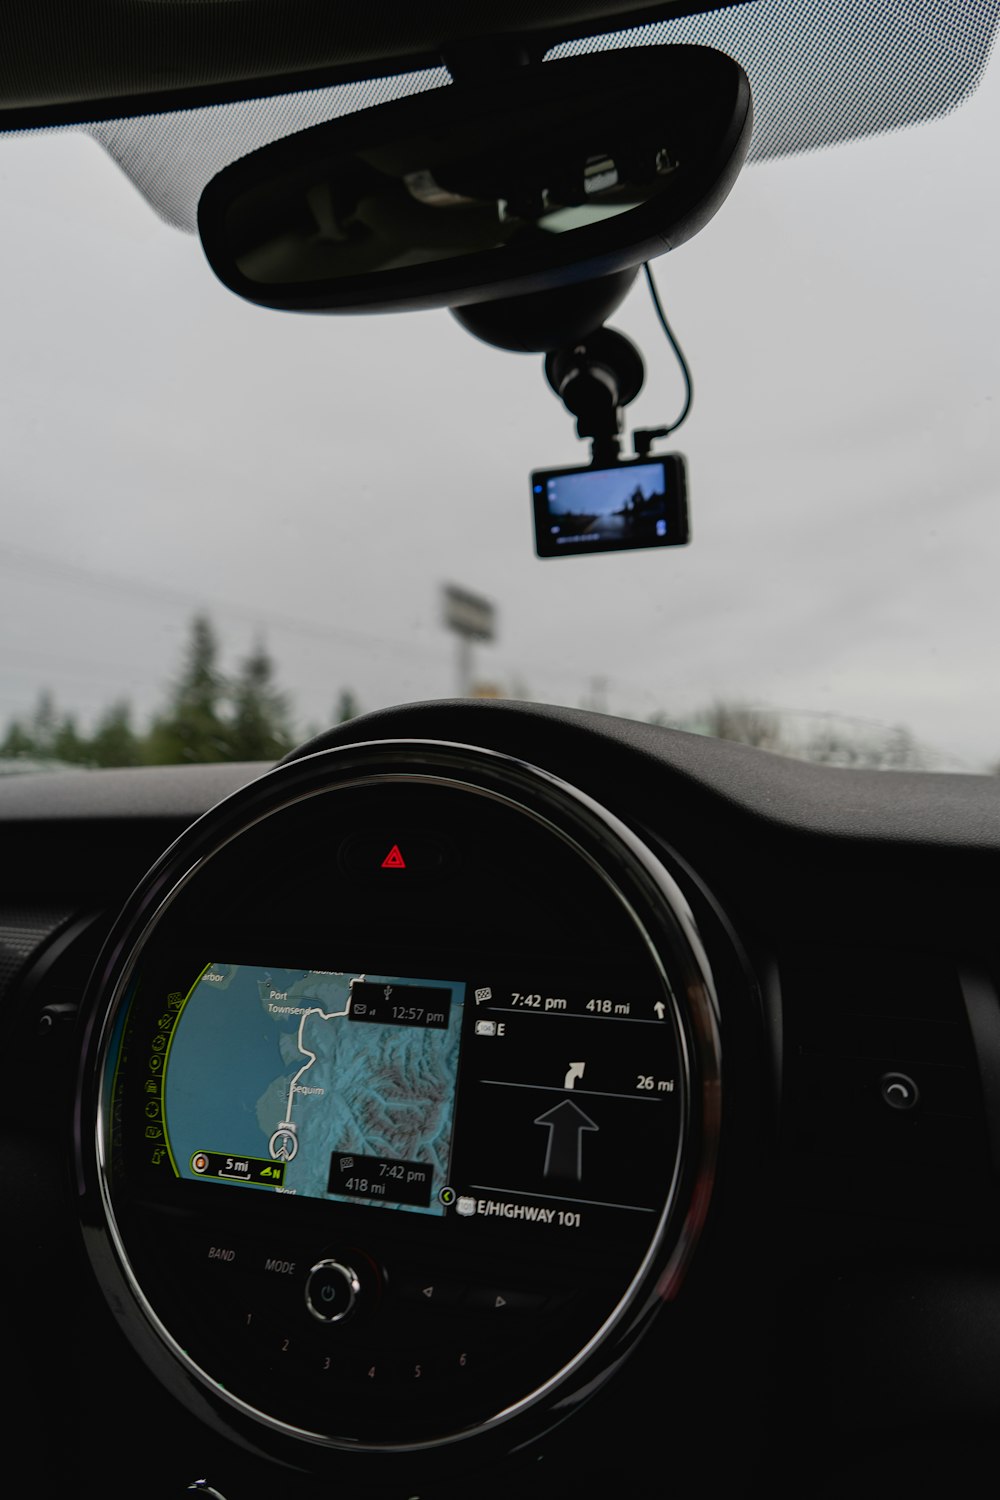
{"points": [[472, 618]]}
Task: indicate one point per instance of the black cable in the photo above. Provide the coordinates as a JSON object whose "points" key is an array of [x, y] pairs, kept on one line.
{"points": [[675, 346]]}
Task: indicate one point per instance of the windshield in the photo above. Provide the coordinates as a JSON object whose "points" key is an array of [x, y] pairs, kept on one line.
{"points": [[227, 527]]}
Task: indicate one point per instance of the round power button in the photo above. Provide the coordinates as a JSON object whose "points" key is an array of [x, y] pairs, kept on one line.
{"points": [[899, 1091], [332, 1291]]}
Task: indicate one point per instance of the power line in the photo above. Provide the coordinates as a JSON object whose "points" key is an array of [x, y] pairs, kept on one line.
{"points": [[145, 592], [571, 684]]}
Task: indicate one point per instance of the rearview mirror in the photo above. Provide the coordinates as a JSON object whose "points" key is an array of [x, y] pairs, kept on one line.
{"points": [[531, 178]]}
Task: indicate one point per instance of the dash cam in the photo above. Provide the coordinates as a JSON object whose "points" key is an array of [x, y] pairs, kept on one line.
{"points": [[622, 507]]}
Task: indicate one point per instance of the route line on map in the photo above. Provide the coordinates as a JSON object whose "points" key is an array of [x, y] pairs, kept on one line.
{"points": [[325, 1016], [284, 1143]]}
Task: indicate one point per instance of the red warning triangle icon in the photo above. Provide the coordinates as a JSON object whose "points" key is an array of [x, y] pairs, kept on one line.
{"points": [[394, 859]]}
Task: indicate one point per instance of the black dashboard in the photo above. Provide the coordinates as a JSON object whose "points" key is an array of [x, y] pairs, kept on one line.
{"points": [[496, 1097]]}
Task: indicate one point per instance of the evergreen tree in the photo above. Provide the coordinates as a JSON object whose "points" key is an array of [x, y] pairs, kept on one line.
{"points": [[206, 718], [347, 707], [18, 742], [68, 744], [193, 728], [259, 728], [46, 735], [114, 742]]}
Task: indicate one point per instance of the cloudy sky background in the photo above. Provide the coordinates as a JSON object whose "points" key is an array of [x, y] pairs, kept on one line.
{"points": [[164, 448]]}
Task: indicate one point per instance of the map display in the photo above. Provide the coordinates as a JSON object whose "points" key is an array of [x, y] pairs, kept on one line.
{"points": [[320, 1083]]}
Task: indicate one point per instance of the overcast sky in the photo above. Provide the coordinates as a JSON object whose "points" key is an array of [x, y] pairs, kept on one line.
{"points": [[165, 447]]}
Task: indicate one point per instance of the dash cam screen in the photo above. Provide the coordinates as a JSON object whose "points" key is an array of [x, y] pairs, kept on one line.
{"points": [[631, 505]]}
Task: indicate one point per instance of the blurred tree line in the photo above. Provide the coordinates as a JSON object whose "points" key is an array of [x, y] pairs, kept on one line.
{"points": [[207, 716], [825, 741], [210, 716]]}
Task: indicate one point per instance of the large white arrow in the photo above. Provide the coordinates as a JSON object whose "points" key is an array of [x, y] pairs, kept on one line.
{"points": [[565, 1123]]}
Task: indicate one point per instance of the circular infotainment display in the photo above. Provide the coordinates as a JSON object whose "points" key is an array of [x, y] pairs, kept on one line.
{"points": [[400, 1102]]}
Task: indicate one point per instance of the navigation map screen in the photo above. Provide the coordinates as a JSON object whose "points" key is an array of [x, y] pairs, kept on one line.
{"points": [[319, 1083], [344, 1086]]}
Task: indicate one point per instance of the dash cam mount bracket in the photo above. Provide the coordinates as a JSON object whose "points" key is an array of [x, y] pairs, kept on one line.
{"points": [[595, 379]]}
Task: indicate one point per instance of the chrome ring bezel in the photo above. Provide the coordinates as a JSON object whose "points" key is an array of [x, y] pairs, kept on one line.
{"points": [[507, 780]]}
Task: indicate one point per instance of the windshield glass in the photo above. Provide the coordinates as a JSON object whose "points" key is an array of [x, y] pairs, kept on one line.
{"points": [[226, 527]]}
